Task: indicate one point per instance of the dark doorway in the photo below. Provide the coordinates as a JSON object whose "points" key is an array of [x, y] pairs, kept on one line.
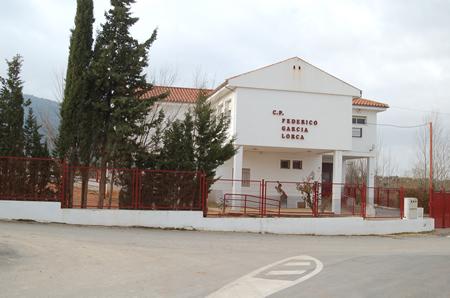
{"points": [[327, 172], [327, 178]]}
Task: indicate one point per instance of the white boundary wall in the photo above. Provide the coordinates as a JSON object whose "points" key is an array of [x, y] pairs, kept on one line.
{"points": [[194, 220]]}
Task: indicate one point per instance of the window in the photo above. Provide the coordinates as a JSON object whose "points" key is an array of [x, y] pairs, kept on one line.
{"points": [[245, 177], [357, 132], [359, 120], [297, 164], [285, 164], [227, 108]]}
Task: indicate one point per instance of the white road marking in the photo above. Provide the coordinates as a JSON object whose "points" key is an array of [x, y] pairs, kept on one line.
{"points": [[255, 284], [286, 272], [298, 264]]}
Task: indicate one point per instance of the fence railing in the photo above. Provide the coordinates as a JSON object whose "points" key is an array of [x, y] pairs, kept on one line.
{"points": [[228, 197], [30, 179], [46, 179]]}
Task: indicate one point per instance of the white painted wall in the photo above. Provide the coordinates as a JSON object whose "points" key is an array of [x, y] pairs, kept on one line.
{"points": [[193, 220], [266, 165], [257, 126], [172, 110], [369, 132], [283, 76]]}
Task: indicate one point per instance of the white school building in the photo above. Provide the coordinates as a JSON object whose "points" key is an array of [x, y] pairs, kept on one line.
{"points": [[290, 120]]}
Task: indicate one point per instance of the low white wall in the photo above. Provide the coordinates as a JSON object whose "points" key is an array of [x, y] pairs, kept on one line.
{"points": [[51, 212]]}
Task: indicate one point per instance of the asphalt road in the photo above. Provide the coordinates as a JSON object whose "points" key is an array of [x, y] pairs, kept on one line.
{"points": [[53, 260]]}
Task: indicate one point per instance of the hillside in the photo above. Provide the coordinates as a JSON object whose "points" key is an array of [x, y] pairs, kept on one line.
{"points": [[47, 114]]}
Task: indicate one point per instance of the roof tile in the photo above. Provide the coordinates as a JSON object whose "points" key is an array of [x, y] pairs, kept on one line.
{"points": [[190, 95]]}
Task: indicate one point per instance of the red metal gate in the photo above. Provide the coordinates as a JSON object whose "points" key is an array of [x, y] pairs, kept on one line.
{"points": [[440, 209]]}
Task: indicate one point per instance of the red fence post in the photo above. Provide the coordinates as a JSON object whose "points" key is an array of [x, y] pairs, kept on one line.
{"points": [[224, 204], [261, 190], [245, 204], [263, 201], [363, 201], [402, 201], [62, 184], [204, 194], [316, 199]]}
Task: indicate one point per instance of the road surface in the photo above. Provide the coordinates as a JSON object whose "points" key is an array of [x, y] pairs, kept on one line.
{"points": [[55, 260]]}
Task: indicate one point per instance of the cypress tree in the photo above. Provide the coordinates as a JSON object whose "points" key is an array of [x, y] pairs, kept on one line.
{"points": [[213, 145], [200, 142], [117, 68], [33, 139], [75, 108], [75, 132], [178, 146], [12, 106]]}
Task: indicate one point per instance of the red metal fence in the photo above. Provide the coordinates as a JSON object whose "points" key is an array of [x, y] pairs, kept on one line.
{"points": [[227, 197], [440, 209], [45, 179], [30, 179]]}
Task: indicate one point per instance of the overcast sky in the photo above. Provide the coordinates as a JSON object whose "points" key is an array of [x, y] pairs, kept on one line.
{"points": [[397, 52]]}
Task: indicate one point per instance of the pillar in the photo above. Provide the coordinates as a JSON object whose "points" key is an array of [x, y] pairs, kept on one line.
{"points": [[337, 182], [237, 175]]}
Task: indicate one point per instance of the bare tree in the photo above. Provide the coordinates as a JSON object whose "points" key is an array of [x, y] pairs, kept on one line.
{"points": [[165, 76], [202, 79], [356, 171], [441, 152], [59, 79], [386, 168]]}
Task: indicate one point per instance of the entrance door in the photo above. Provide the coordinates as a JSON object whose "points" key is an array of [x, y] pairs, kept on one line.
{"points": [[327, 178]]}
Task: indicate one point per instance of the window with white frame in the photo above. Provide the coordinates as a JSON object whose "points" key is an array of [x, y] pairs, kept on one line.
{"points": [[359, 120]]}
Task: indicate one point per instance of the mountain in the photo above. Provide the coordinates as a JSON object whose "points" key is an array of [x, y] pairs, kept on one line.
{"points": [[47, 115]]}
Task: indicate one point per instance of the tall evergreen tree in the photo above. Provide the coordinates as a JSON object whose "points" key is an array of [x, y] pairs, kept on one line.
{"points": [[76, 109], [178, 146], [12, 106], [118, 64], [200, 142], [213, 144], [34, 147], [75, 141]]}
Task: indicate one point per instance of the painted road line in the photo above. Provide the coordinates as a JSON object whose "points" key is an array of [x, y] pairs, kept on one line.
{"points": [[298, 264], [286, 272], [260, 283]]}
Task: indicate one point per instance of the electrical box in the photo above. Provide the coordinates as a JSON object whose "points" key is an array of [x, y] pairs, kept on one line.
{"points": [[420, 213], [410, 208]]}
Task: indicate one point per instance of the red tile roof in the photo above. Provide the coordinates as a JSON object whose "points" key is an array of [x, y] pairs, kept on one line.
{"points": [[176, 94], [189, 95], [369, 103]]}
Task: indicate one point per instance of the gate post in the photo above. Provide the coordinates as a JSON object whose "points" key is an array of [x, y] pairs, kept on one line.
{"points": [[316, 199], [262, 197], [363, 201], [204, 191], [62, 188], [402, 201]]}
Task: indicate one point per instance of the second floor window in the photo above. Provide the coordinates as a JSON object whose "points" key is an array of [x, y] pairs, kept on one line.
{"points": [[357, 132], [359, 120]]}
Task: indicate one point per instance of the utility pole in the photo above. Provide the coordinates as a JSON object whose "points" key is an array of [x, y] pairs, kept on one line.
{"points": [[431, 168]]}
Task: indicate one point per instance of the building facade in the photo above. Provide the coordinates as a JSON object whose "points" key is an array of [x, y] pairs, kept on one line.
{"points": [[292, 122]]}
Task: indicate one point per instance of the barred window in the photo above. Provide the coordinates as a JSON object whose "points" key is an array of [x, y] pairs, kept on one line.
{"points": [[357, 132], [297, 164], [285, 164]]}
